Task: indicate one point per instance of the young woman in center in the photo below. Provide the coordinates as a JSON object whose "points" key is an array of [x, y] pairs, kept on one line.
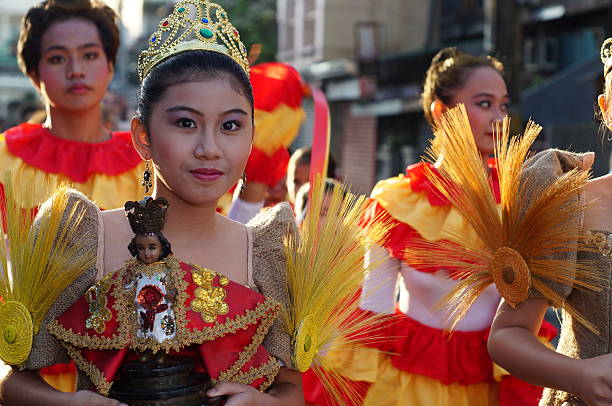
{"points": [[195, 123]]}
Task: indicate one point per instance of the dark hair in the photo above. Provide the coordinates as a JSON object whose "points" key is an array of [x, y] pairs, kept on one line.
{"points": [[190, 66], [448, 72], [303, 156], [40, 17], [166, 247]]}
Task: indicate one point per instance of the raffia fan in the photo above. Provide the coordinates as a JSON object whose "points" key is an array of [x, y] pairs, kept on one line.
{"points": [[38, 262], [526, 241], [325, 273]]}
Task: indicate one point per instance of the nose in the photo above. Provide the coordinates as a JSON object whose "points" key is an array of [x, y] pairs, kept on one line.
{"points": [[208, 144], [499, 114], [75, 68]]}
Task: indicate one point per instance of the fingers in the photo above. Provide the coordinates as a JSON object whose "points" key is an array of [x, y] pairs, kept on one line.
{"points": [[227, 389]]}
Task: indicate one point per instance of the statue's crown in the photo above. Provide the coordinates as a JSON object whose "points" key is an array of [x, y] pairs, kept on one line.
{"points": [[192, 25], [146, 216]]}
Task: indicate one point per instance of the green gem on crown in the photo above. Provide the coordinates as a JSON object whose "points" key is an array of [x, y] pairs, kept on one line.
{"points": [[206, 33]]}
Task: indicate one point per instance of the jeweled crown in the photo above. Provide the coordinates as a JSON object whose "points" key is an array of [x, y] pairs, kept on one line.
{"points": [[192, 25], [606, 55]]}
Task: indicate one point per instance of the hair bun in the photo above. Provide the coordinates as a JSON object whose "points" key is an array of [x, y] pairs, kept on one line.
{"points": [[444, 54]]}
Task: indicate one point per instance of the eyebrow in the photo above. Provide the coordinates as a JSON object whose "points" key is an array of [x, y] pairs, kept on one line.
{"points": [[484, 94], [194, 111], [63, 48]]}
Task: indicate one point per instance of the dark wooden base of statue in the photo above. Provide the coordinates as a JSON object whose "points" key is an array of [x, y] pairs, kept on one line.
{"points": [[170, 383]]}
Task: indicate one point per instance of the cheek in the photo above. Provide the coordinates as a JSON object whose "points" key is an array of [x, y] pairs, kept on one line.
{"points": [[479, 121], [51, 79]]}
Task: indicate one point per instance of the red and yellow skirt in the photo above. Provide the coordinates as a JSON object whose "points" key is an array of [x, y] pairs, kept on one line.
{"points": [[426, 366]]}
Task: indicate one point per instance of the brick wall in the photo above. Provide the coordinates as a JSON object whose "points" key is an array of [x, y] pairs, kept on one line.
{"points": [[359, 152]]}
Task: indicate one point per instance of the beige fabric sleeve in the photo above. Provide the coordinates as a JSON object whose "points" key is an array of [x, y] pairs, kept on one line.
{"points": [[540, 171], [270, 270], [46, 349]]}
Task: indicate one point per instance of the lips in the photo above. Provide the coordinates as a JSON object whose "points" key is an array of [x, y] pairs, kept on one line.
{"points": [[78, 88], [207, 174]]}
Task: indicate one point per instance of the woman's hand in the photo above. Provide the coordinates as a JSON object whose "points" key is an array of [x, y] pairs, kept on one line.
{"points": [[85, 397], [242, 395], [594, 383]]}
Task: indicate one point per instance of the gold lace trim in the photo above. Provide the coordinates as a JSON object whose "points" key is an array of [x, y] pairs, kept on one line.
{"points": [[269, 370], [249, 351], [603, 241], [96, 375]]}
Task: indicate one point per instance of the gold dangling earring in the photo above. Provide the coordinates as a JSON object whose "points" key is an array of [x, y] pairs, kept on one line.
{"points": [[243, 182], [146, 177]]}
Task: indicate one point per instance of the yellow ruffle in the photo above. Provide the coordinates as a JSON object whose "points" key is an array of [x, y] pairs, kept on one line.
{"points": [[278, 128], [107, 191], [413, 208], [393, 387]]}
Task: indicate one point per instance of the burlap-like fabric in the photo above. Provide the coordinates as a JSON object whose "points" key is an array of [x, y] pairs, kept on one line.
{"points": [[575, 341], [46, 349], [540, 171], [269, 229]]}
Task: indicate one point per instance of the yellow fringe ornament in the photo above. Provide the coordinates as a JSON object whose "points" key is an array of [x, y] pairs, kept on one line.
{"points": [[39, 258], [519, 239], [324, 275]]}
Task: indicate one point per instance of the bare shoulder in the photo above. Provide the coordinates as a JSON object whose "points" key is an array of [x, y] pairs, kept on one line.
{"points": [[598, 191], [117, 236]]}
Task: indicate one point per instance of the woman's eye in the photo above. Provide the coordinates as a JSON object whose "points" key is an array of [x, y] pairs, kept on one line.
{"points": [[230, 125], [90, 56], [505, 107], [484, 103], [186, 123], [55, 59]]}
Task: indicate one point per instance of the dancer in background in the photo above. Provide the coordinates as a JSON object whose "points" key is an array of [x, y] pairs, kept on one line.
{"points": [[67, 48], [278, 91], [425, 364]]}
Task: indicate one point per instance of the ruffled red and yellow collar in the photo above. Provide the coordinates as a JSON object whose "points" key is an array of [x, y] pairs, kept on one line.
{"points": [[78, 161]]}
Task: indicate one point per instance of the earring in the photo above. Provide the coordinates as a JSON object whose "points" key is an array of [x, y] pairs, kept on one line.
{"points": [[146, 178], [243, 182]]}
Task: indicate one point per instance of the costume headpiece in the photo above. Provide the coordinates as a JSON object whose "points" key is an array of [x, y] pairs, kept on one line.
{"points": [[193, 25], [606, 55], [147, 215]]}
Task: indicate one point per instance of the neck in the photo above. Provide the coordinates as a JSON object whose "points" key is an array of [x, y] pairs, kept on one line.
{"points": [[185, 221], [83, 126]]}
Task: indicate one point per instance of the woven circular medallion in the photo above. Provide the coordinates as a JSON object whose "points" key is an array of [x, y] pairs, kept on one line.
{"points": [[511, 275], [16, 333], [305, 344]]}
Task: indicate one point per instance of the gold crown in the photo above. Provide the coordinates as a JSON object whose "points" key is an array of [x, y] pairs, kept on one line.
{"points": [[193, 24], [606, 55]]}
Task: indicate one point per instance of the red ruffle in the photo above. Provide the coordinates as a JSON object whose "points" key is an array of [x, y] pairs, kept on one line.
{"points": [[269, 170], [419, 182], [459, 357], [276, 83], [37, 147]]}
